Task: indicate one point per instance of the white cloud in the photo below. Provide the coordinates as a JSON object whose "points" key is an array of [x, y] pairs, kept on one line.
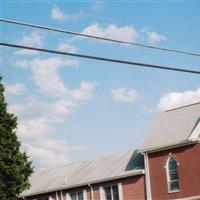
{"points": [[47, 69], [84, 92], [32, 40], [67, 47], [16, 88], [25, 52], [40, 117], [48, 153], [37, 119], [176, 99], [63, 107], [125, 33], [35, 107], [125, 95], [59, 15], [16, 109], [45, 73], [46, 76], [154, 37], [31, 128]]}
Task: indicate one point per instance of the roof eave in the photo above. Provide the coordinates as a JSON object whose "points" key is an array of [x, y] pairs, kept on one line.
{"points": [[171, 146], [139, 172]]}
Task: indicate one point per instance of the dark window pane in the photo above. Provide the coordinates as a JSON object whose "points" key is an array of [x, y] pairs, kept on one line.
{"points": [[115, 192], [108, 193], [80, 195], [172, 164], [73, 195], [173, 176], [174, 185]]}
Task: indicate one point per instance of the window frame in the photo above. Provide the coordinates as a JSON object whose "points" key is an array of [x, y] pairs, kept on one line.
{"points": [[169, 181], [76, 193], [112, 192]]}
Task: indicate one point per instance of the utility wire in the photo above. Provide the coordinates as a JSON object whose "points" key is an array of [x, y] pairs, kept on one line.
{"points": [[99, 38], [102, 58]]}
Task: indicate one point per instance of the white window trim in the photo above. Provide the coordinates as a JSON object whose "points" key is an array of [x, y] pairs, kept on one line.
{"points": [[68, 196], [120, 189], [168, 178], [102, 193], [61, 194], [85, 194]]}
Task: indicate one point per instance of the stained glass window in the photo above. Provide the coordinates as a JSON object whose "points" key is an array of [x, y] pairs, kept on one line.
{"points": [[173, 176]]}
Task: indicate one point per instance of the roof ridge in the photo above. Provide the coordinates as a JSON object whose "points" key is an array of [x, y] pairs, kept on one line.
{"points": [[179, 107]]}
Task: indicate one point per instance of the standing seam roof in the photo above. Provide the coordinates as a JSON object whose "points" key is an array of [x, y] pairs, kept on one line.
{"points": [[172, 127], [86, 172]]}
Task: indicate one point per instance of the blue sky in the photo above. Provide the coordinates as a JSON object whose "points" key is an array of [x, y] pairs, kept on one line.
{"points": [[70, 109]]}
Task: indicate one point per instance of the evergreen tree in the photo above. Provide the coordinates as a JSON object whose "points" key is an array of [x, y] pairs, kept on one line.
{"points": [[14, 165]]}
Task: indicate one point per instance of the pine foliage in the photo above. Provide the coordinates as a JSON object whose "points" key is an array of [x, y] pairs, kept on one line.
{"points": [[15, 168]]}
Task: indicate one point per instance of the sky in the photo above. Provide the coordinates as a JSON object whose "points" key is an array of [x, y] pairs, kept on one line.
{"points": [[71, 109]]}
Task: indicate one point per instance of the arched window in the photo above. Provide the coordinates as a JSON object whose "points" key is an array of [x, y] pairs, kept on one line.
{"points": [[172, 174]]}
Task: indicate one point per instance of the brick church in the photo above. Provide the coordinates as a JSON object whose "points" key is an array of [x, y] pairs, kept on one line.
{"points": [[166, 166]]}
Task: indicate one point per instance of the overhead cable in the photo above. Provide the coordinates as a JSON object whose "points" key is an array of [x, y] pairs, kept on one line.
{"points": [[102, 58], [99, 38]]}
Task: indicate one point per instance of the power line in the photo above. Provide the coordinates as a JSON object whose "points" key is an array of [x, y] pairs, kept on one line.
{"points": [[99, 38], [102, 58]]}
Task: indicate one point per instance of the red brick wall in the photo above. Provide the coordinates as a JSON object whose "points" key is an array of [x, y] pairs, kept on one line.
{"points": [[133, 189], [188, 158], [96, 194], [52, 194]]}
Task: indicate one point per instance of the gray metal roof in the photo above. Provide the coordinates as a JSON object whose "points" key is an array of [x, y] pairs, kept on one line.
{"points": [[85, 172], [172, 127]]}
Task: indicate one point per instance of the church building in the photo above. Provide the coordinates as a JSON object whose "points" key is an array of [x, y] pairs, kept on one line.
{"points": [[166, 166]]}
